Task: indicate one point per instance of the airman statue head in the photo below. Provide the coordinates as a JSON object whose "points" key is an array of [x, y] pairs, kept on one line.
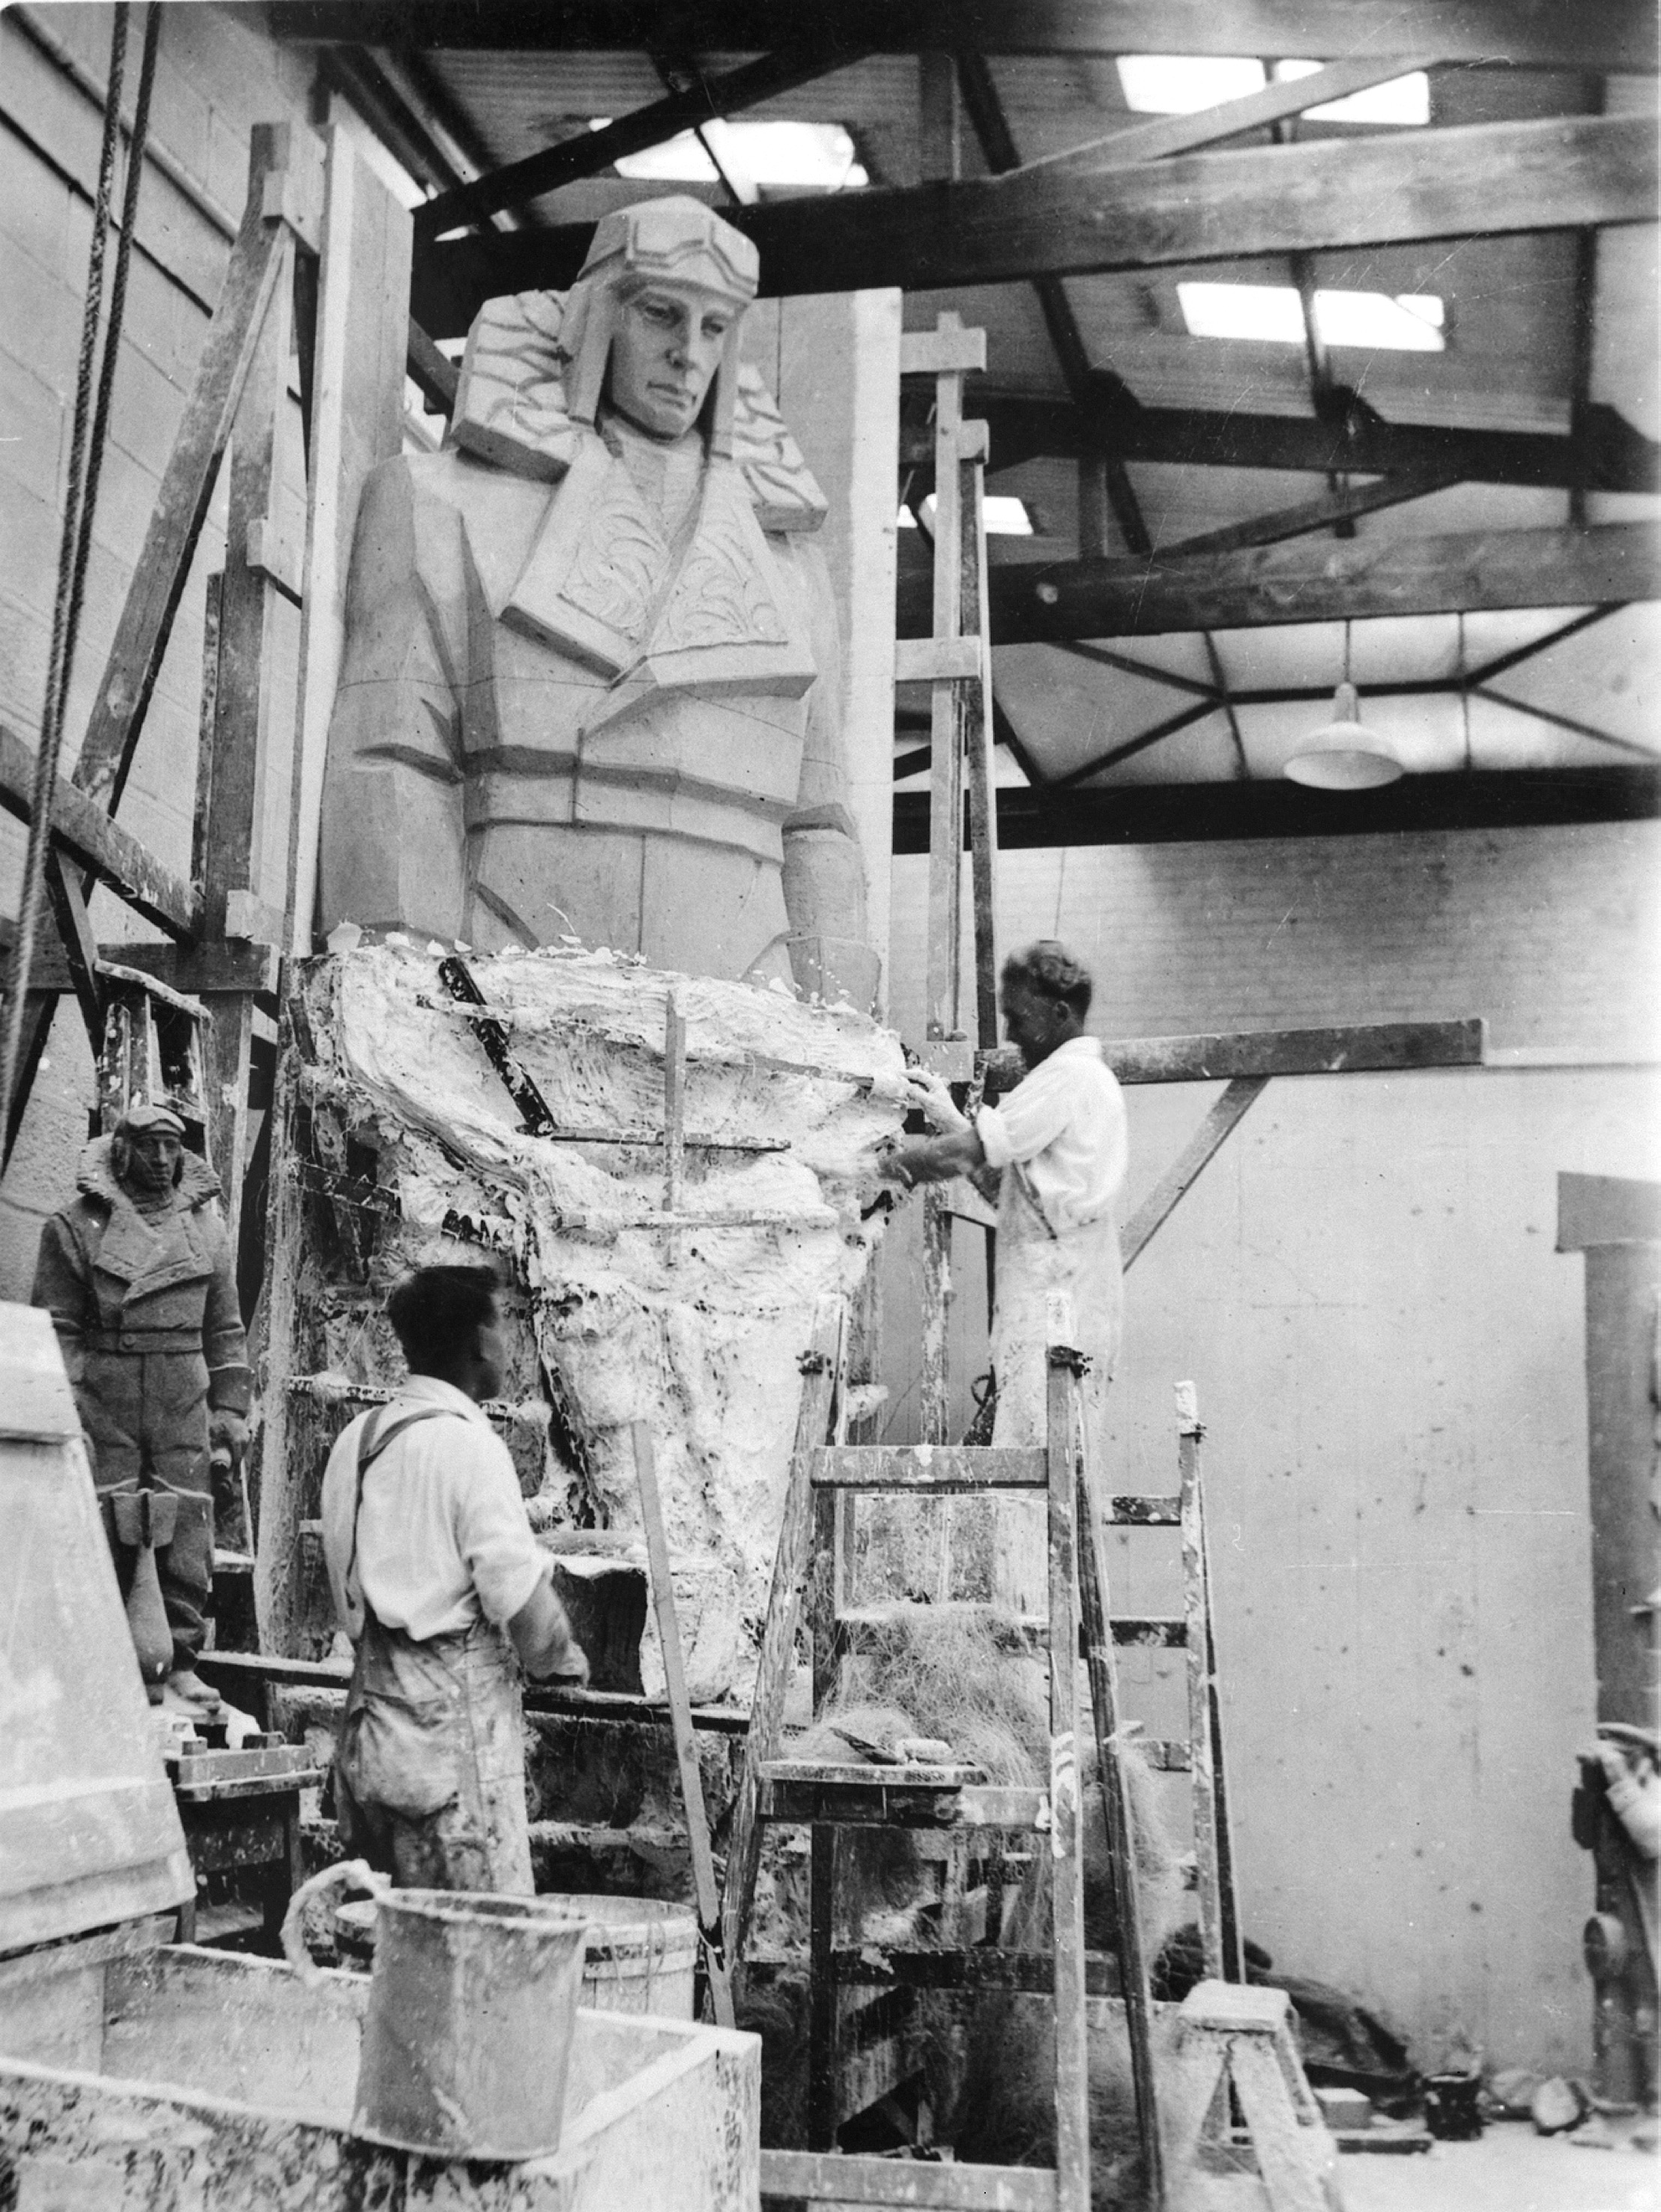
{"points": [[652, 323]]}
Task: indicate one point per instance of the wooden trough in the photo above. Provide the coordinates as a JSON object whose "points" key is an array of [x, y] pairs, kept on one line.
{"points": [[136, 2072]]}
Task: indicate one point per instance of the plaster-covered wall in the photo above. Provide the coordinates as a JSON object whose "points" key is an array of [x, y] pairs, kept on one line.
{"points": [[1389, 1358]]}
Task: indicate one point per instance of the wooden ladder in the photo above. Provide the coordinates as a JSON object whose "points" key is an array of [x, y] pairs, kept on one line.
{"points": [[958, 1801]]}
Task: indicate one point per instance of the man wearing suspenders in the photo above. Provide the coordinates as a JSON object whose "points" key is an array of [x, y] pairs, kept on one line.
{"points": [[439, 1584]]}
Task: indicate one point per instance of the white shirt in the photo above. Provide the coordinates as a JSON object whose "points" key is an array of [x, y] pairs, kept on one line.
{"points": [[1064, 1125], [442, 1535]]}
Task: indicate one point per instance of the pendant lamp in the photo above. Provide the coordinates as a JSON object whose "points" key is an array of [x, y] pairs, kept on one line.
{"points": [[1345, 755]]}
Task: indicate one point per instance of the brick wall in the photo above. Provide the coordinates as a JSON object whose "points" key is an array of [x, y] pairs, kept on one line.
{"points": [[1551, 933], [217, 74], [1390, 1358]]}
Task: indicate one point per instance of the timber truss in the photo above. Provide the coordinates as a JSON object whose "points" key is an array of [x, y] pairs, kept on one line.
{"points": [[1168, 190]]}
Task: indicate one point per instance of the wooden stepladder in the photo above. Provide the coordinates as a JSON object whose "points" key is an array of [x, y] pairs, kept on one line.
{"points": [[826, 1799]]}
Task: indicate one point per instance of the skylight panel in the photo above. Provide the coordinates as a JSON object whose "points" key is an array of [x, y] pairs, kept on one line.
{"points": [[1409, 322], [819, 156], [1404, 100], [1182, 84], [1185, 84], [1006, 517]]}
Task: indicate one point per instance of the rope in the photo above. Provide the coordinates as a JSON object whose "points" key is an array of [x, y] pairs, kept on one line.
{"points": [[72, 558], [141, 124]]}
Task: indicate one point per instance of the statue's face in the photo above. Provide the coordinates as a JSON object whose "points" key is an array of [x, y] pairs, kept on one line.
{"points": [[666, 345], [153, 1158]]}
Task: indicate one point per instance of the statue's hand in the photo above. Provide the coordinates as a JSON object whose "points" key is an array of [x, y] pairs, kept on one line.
{"points": [[228, 1431]]}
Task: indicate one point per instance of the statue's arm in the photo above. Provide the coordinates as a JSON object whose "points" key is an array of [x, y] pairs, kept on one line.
{"points": [[824, 887], [62, 1285], [394, 831], [224, 1345]]}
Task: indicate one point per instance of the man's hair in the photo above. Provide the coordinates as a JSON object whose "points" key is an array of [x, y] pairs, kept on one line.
{"points": [[1051, 969], [438, 1312]]}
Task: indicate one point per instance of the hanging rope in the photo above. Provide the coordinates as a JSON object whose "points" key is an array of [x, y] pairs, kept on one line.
{"points": [[74, 544], [140, 134]]}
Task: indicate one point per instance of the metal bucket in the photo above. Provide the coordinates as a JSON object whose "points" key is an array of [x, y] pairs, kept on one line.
{"points": [[472, 1999], [643, 1955]]}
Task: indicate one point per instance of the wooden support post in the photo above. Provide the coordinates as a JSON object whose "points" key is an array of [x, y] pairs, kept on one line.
{"points": [[278, 1566], [1071, 2064], [1186, 1169], [1103, 1669], [791, 1567], [680, 1714], [357, 421]]}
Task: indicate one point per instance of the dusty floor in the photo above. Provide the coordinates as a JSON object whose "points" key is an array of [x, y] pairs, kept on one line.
{"points": [[1511, 2169]]}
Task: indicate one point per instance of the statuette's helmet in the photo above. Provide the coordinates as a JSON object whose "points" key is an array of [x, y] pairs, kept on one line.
{"points": [[674, 240]]}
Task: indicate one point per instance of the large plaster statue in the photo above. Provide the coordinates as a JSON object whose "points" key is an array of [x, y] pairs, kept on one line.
{"points": [[590, 681]]}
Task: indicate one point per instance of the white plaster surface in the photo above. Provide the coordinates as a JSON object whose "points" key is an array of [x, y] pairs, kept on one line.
{"points": [[697, 1331]]}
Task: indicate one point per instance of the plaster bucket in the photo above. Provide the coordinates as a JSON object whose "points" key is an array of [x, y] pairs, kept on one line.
{"points": [[641, 1955], [467, 2037]]}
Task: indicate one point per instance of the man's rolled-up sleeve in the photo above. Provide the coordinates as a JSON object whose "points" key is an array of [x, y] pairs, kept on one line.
{"points": [[492, 1532], [1032, 1117]]}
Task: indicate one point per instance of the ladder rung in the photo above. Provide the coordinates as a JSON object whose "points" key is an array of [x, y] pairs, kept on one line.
{"points": [[1136, 1511], [803, 1795], [1031, 1973], [835, 2177], [936, 1469], [861, 1627]]}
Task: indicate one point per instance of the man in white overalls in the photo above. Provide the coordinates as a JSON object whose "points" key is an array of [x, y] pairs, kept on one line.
{"points": [[1059, 1145], [439, 1584]]}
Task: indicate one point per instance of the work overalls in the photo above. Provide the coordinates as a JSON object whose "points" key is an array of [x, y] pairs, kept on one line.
{"points": [[1033, 1259], [429, 1768]]}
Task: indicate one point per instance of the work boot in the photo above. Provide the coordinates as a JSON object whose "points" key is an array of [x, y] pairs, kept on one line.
{"points": [[184, 1684]]}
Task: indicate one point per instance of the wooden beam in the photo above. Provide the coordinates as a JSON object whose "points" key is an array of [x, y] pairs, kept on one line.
{"points": [[1301, 522], [181, 503], [1605, 453], [191, 970], [1480, 180], [1199, 813], [586, 153], [1246, 1056], [1595, 35], [85, 832], [1456, 572]]}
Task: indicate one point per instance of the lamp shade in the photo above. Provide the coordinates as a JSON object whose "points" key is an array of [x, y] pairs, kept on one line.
{"points": [[1345, 755]]}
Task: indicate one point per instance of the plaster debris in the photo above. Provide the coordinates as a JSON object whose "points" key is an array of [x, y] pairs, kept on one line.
{"points": [[698, 1329]]}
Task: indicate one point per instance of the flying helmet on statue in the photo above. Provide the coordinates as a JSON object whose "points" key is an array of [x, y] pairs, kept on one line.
{"points": [[675, 240]]}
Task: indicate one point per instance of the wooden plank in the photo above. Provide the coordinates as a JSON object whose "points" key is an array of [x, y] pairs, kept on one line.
{"points": [[1063, 1444], [1607, 1210], [835, 2178], [1099, 1634], [83, 830], [930, 1468], [1449, 573], [983, 1969], [279, 1565], [182, 502], [1603, 454], [357, 421], [585, 153], [1368, 1046], [194, 971], [1190, 813], [1476, 180], [1207, 1882], [1597, 35], [776, 1658], [1344, 505], [686, 1751], [1190, 1164]]}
